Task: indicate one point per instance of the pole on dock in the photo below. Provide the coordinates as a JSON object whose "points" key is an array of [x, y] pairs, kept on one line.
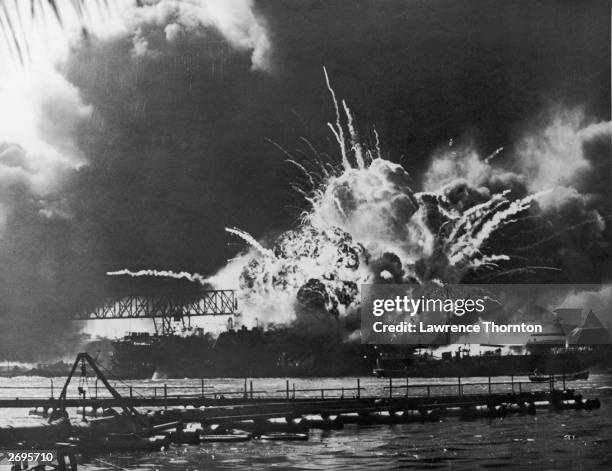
{"points": [[512, 382], [165, 397], [459, 384], [202, 386], [358, 388], [245, 395], [390, 387], [287, 386], [293, 394], [489, 385], [51, 389], [251, 388], [406, 386]]}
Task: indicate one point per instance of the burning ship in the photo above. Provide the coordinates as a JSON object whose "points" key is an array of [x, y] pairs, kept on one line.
{"points": [[286, 351], [472, 222], [563, 348], [316, 344], [239, 353]]}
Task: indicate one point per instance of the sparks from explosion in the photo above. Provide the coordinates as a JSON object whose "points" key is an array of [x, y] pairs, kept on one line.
{"points": [[366, 224]]}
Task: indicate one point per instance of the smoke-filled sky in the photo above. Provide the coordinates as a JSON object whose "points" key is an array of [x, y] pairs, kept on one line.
{"points": [[145, 131]]}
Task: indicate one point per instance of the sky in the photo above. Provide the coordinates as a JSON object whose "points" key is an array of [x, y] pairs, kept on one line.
{"points": [[134, 136]]}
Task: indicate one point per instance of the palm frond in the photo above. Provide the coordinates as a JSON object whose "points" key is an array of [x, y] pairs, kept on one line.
{"points": [[53, 6], [17, 18]]}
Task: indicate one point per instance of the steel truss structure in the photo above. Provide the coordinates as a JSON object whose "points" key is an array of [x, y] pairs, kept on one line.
{"points": [[164, 308]]}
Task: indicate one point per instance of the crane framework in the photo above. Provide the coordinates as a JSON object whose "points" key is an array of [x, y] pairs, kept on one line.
{"points": [[165, 309]]}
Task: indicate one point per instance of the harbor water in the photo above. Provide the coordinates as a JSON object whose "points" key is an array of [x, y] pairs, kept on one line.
{"points": [[549, 440]]}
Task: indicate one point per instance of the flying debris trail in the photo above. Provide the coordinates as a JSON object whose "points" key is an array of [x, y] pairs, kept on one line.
{"points": [[249, 239], [194, 277], [479, 223], [338, 129]]}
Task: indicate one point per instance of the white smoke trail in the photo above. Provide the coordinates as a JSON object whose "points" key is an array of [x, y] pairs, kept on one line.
{"points": [[337, 130], [249, 239], [183, 275], [480, 222]]}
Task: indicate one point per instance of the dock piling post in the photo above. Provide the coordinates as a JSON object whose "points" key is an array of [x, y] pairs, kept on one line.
{"points": [[287, 386], [459, 384], [165, 397], [512, 382], [390, 387], [131, 393], [406, 386], [489, 385], [358, 388], [293, 395], [251, 388], [52, 389], [202, 386]]}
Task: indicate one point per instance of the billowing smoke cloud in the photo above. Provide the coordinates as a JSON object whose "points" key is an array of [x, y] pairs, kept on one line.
{"points": [[555, 156], [476, 222], [157, 142], [38, 124], [46, 123], [236, 20]]}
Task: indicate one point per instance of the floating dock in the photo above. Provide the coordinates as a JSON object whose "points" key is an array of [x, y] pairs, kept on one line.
{"points": [[153, 417]]}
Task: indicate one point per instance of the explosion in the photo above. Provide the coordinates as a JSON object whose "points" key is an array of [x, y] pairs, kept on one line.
{"points": [[473, 223]]}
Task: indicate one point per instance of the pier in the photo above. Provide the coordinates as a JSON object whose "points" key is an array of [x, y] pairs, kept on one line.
{"points": [[155, 416]]}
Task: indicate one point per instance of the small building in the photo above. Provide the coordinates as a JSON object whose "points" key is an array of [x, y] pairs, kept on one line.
{"points": [[590, 332]]}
